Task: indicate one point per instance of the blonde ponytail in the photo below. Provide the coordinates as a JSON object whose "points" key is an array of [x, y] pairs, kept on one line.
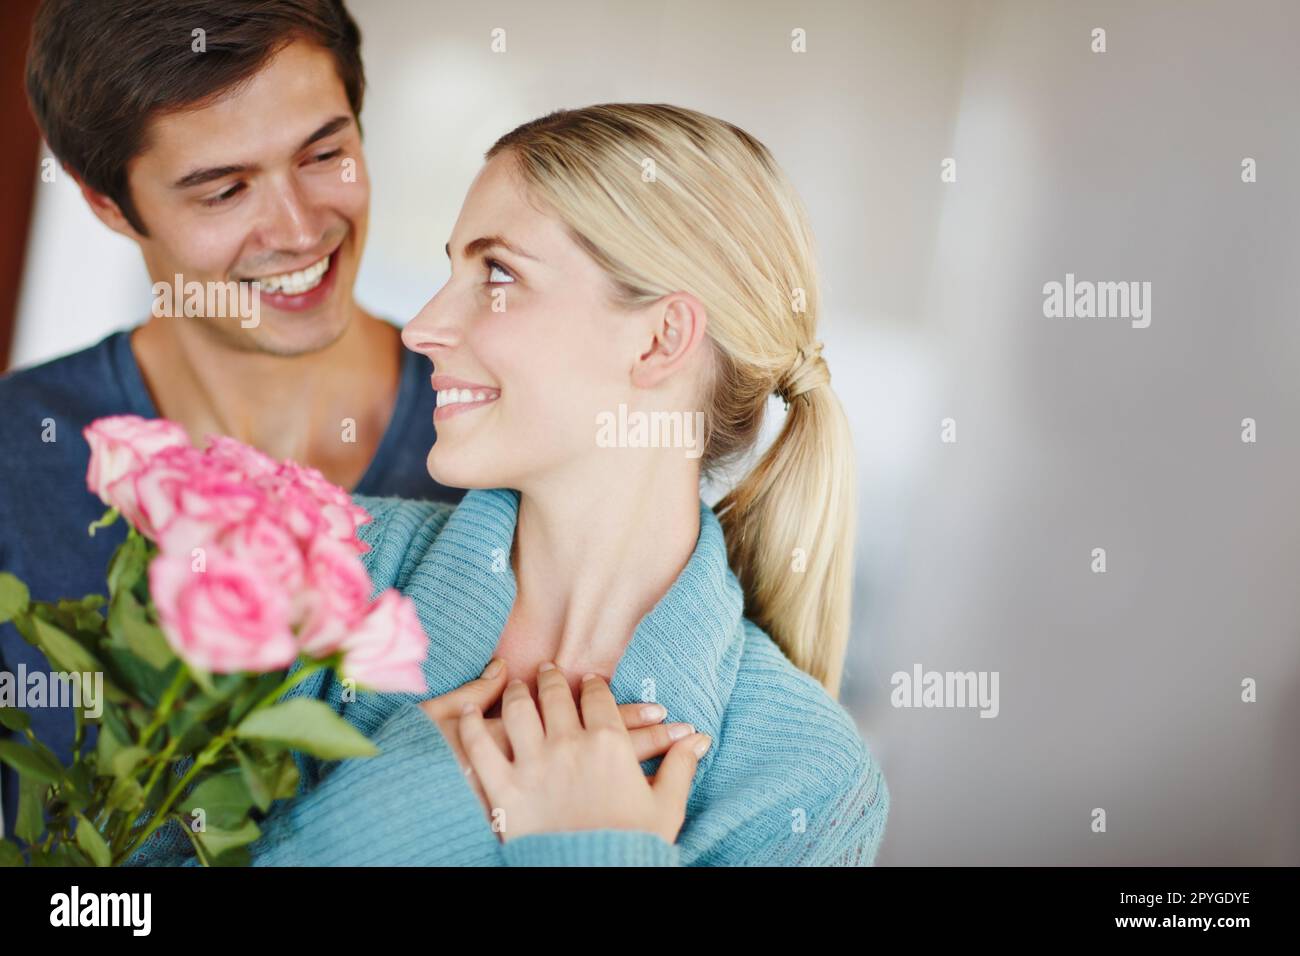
{"points": [[789, 525], [720, 220]]}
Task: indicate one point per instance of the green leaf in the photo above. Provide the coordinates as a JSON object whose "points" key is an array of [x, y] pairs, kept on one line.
{"points": [[204, 680], [128, 671], [126, 570], [10, 855], [12, 718], [307, 725], [129, 624], [195, 738], [126, 759], [31, 803], [14, 597], [37, 763], [64, 652], [162, 788], [65, 855], [259, 787], [268, 778], [253, 692], [224, 799], [83, 614], [284, 782], [69, 655], [217, 841], [78, 791], [108, 518], [126, 795], [238, 856], [190, 722], [114, 721], [92, 842], [108, 744]]}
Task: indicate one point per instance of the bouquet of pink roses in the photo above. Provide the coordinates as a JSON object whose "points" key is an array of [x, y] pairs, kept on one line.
{"points": [[239, 577]]}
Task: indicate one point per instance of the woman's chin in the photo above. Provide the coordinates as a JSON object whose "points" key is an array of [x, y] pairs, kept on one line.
{"points": [[446, 470]]}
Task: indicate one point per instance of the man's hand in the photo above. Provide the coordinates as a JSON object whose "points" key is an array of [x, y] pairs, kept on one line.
{"points": [[650, 738]]}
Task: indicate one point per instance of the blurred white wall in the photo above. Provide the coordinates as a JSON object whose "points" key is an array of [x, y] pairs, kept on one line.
{"points": [[1119, 690], [80, 279]]}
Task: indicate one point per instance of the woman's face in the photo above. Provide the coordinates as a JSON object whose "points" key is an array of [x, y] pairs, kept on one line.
{"points": [[526, 331]]}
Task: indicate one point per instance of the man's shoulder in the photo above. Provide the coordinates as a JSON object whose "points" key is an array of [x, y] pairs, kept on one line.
{"points": [[72, 386]]}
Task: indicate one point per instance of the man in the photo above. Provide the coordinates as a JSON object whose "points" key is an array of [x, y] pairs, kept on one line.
{"points": [[223, 139]]}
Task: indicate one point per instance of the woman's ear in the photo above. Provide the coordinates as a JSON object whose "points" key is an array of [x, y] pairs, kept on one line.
{"points": [[677, 325]]}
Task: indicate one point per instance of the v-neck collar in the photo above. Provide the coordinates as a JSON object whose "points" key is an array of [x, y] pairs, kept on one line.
{"points": [[410, 382], [684, 654], [127, 371]]}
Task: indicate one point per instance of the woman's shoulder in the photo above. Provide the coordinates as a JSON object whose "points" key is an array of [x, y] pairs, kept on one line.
{"points": [[773, 696], [399, 533], [793, 762]]}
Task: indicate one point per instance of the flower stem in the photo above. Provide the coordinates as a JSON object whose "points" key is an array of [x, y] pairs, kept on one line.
{"points": [[308, 668], [165, 705], [209, 754]]}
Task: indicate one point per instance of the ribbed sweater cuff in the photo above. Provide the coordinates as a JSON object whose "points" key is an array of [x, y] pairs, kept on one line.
{"points": [[590, 848]]}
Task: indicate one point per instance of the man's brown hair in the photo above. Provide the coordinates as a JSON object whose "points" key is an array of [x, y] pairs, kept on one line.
{"points": [[98, 71]]}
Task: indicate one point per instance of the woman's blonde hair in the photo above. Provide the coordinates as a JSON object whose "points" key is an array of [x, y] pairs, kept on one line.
{"points": [[666, 200]]}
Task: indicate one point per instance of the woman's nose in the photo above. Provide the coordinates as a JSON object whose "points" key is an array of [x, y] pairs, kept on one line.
{"points": [[433, 329]]}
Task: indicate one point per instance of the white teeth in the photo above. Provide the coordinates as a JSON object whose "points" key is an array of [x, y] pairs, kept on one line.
{"points": [[296, 283], [461, 396]]}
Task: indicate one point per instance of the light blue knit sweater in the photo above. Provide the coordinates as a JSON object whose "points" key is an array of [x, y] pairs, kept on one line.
{"points": [[788, 780]]}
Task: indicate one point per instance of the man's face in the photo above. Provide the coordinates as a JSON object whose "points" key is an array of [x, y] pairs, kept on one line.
{"points": [[266, 182]]}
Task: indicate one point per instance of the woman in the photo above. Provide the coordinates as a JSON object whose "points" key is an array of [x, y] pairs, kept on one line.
{"points": [[616, 271]]}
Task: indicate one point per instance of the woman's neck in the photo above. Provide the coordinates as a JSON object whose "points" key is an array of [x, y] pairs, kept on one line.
{"points": [[591, 561]]}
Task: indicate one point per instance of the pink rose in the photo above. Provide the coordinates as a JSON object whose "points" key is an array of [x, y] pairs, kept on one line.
{"points": [[241, 458], [224, 618], [339, 595], [263, 543], [119, 446], [385, 652], [341, 515], [185, 499], [300, 511]]}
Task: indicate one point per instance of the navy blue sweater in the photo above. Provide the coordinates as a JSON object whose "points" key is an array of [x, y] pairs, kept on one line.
{"points": [[45, 508]]}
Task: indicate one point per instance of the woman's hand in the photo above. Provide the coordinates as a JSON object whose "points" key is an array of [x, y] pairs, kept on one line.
{"points": [[650, 737], [571, 774]]}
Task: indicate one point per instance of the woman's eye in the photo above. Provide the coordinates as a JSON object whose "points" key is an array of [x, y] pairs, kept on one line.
{"points": [[224, 196], [497, 273]]}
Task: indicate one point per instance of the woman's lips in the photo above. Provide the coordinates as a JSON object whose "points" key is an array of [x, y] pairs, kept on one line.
{"points": [[457, 396]]}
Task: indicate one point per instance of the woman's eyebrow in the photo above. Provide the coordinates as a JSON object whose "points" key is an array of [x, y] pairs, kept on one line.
{"points": [[484, 243]]}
